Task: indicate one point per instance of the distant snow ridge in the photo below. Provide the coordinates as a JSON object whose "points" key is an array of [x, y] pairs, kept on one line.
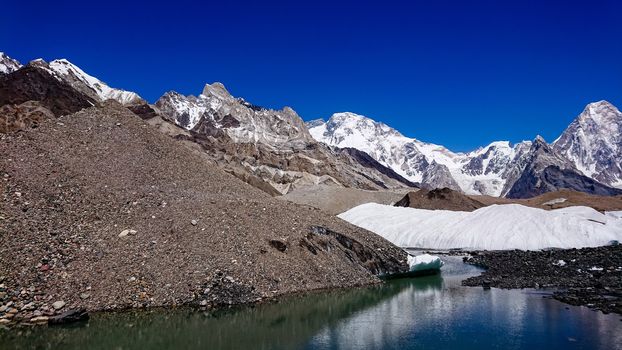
{"points": [[7, 64], [483, 171], [509, 226], [90, 85]]}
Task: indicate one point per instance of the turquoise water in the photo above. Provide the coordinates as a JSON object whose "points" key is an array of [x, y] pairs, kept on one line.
{"points": [[433, 312]]}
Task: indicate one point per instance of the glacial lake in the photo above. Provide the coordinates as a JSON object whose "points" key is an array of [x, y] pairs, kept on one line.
{"points": [[433, 312]]}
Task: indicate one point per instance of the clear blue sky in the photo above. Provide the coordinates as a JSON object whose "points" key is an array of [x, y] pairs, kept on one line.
{"points": [[458, 73]]}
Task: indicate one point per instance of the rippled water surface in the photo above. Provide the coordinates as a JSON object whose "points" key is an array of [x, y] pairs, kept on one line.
{"points": [[428, 312]]}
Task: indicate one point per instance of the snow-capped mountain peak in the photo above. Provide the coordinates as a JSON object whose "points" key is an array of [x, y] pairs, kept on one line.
{"points": [[480, 171], [216, 90], [593, 142], [90, 85], [242, 121], [7, 64]]}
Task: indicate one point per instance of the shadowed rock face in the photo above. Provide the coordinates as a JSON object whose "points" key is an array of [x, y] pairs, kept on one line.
{"points": [[440, 198], [438, 176], [32, 83], [545, 170], [593, 142], [144, 111], [552, 178]]}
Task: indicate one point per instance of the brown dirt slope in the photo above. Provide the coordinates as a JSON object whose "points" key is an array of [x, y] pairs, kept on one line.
{"points": [[560, 199], [441, 198], [70, 188], [336, 200], [447, 199]]}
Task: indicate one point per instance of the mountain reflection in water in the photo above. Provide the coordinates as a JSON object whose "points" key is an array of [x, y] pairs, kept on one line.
{"points": [[433, 311]]}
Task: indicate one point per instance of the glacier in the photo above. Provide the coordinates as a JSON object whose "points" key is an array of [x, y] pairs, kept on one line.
{"points": [[424, 262], [496, 227]]}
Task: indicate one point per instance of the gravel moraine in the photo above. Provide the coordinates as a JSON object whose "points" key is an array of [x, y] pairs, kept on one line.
{"points": [[100, 211], [590, 276]]}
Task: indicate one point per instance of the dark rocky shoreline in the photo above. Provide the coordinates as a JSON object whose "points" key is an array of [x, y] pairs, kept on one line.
{"points": [[590, 277]]}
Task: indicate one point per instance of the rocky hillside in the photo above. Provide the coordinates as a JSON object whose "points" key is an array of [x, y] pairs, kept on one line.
{"points": [[544, 170], [101, 210], [439, 198], [272, 149], [35, 82]]}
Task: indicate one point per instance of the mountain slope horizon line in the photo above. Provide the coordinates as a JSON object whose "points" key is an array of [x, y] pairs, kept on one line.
{"points": [[6, 60], [583, 158]]}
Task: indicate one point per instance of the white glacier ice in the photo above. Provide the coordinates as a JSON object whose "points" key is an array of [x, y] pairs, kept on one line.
{"points": [[508, 226], [424, 262]]}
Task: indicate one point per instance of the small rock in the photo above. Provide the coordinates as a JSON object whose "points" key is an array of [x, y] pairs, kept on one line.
{"points": [[118, 124], [84, 295], [58, 305], [4, 321], [28, 306], [124, 233], [39, 319], [203, 302], [69, 317], [194, 222]]}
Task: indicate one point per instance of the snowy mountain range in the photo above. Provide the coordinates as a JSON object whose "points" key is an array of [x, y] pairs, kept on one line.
{"points": [[67, 72], [589, 151], [277, 151]]}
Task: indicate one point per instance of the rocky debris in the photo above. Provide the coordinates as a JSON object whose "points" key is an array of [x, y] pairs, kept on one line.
{"points": [[27, 115], [144, 111], [443, 198], [224, 290], [269, 149], [338, 200], [83, 182], [375, 261], [70, 316], [588, 276], [57, 305], [35, 83], [278, 245]]}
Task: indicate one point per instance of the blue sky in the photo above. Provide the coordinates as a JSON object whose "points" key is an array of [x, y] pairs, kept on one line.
{"points": [[458, 73]]}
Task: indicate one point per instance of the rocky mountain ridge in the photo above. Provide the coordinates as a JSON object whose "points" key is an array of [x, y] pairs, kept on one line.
{"points": [[278, 152], [593, 141], [271, 148]]}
